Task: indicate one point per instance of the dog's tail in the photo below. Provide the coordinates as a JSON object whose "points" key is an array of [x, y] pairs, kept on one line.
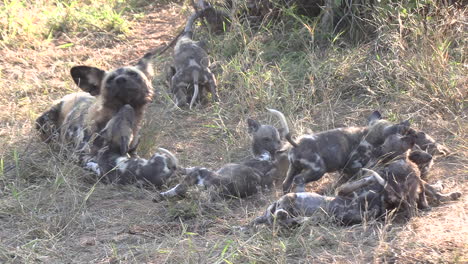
{"points": [[170, 155], [195, 76], [284, 125], [377, 177]]}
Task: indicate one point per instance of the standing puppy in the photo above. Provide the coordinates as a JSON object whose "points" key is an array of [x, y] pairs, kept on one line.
{"points": [[348, 149], [77, 118], [191, 69]]}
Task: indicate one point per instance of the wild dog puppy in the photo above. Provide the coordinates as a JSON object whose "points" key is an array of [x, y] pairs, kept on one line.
{"points": [[404, 187], [268, 157], [398, 188], [347, 149], [217, 20], [191, 69], [234, 180], [117, 167], [354, 202], [77, 118]]}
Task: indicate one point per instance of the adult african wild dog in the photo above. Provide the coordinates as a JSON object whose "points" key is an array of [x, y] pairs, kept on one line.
{"points": [[348, 149], [77, 118], [191, 69]]}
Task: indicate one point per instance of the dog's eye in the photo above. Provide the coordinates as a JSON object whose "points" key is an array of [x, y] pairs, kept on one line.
{"points": [[132, 74], [112, 77], [266, 139]]}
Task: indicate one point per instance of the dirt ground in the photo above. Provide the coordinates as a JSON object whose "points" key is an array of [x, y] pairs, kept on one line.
{"points": [[97, 223]]}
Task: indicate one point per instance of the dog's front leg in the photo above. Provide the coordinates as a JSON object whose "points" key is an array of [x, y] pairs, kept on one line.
{"points": [[292, 172]]}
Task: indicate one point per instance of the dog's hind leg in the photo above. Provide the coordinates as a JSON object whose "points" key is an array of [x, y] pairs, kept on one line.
{"points": [[432, 192], [350, 187]]}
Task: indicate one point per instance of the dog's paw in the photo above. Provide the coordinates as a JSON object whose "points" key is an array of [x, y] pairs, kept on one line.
{"points": [[455, 195], [93, 166]]}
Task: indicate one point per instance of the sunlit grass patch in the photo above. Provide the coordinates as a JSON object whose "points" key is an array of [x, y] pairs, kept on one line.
{"points": [[24, 24]]}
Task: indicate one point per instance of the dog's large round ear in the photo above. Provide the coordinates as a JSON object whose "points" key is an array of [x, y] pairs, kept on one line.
{"points": [[145, 65], [253, 125], [374, 117], [88, 78]]}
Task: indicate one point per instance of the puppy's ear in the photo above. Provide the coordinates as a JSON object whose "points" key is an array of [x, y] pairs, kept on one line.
{"points": [[406, 123], [374, 117], [145, 65], [253, 125], [88, 78]]}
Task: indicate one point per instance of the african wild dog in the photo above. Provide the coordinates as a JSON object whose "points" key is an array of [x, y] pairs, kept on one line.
{"points": [[348, 149], [395, 185], [191, 69], [79, 117], [355, 201], [231, 180], [117, 167], [268, 156]]}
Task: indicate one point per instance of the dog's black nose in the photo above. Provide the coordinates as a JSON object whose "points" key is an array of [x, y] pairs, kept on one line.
{"points": [[120, 80]]}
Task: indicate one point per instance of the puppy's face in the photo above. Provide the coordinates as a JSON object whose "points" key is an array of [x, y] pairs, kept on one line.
{"points": [[197, 176], [265, 138], [394, 146], [127, 85]]}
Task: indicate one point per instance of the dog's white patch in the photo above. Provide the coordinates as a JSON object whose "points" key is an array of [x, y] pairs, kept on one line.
{"points": [[171, 193], [93, 166], [121, 164], [312, 165], [265, 156], [356, 164], [200, 181], [192, 62], [311, 137], [183, 84], [165, 169], [142, 162], [303, 195]]}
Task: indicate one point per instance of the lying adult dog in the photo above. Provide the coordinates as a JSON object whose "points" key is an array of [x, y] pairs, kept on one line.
{"points": [[77, 118], [232, 180], [115, 166], [348, 149], [191, 69]]}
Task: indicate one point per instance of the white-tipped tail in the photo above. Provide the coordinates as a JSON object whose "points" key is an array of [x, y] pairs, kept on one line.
{"points": [[377, 177], [195, 76], [282, 119], [171, 156]]}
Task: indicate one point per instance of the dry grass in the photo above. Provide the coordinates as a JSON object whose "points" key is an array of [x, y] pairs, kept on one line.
{"points": [[53, 211]]}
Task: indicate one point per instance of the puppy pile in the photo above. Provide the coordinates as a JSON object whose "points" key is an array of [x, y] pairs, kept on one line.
{"points": [[388, 163]]}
